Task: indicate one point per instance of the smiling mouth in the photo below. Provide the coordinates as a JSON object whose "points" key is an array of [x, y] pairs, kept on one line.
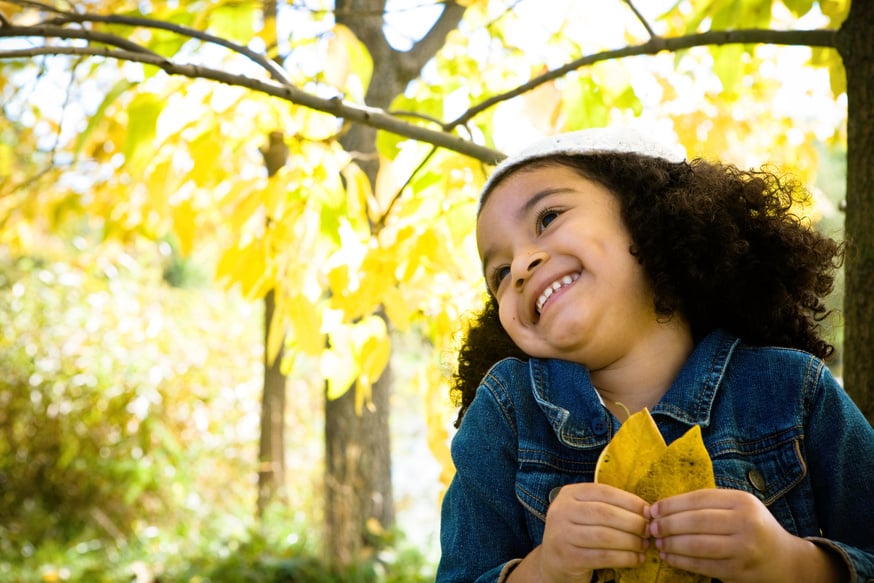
{"points": [[554, 287]]}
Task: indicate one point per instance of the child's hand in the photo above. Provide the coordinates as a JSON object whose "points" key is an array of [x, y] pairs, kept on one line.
{"points": [[589, 527], [731, 535]]}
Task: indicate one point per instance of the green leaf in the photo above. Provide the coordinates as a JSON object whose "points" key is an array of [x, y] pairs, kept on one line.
{"points": [[628, 99], [143, 115], [584, 105], [234, 21], [831, 59], [799, 7], [728, 66], [836, 10]]}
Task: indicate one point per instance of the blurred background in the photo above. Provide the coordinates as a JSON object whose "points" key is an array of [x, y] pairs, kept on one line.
{"points": [[230, 294]]}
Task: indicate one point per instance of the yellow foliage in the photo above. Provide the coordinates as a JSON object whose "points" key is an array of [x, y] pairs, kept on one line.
{"points": [[248, 266], [304, 319], [358, 351], [359, 198], [398, 309], [348, 65], [836, 10], [438, 409], [6, 159], [143, 112], [185, 225], [205, 150], [627, 458], [637, 460]]}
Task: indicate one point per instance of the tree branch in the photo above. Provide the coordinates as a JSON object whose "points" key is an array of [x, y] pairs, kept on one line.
{"points": [[376, 118], [369, 116], [53, 31], [642, 20], [817, 38], [433, 41], [68, 17]]}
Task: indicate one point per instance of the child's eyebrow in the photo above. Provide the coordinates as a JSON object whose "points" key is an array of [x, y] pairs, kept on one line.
{"points": [[536, 198]]}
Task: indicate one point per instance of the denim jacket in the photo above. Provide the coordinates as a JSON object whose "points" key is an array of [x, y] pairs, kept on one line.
{"points": [[775, 422]]}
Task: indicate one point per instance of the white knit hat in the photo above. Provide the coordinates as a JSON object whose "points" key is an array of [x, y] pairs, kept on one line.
{"points": [[588, 141]]}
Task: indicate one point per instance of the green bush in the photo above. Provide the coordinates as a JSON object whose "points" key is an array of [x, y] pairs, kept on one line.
{"points": [[129, 419], [122, 409]]}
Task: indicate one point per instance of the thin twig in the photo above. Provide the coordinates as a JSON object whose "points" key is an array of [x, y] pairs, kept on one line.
{"points": [[268, 64], [642, 20], [382, 219]]}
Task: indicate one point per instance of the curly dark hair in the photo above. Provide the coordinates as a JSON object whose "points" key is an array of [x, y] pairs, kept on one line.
{"points": [[720, 245]]}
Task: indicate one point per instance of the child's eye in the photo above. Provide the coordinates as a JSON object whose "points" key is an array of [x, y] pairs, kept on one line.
{"points": [[498, 275], [545, 217]]}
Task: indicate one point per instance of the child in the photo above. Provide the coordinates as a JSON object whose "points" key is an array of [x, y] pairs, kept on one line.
{"points": [[621, 276]]}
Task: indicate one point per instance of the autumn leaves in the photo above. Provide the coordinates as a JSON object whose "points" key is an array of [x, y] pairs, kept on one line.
{"points": [[637, 460]]}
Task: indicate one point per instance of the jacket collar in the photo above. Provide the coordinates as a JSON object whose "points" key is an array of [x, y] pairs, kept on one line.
{"points": [[564, 392], [690, 398]]}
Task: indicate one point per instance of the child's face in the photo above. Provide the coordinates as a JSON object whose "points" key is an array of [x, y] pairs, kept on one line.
{"points": [[556, 255]]}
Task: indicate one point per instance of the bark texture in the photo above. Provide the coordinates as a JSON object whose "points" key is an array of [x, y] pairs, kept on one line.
{"points": [[359, 499], [857, 51]]}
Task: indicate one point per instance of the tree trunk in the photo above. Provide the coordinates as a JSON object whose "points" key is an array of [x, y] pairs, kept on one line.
{"points": [[857, 52], [359, 491], [359, 499], [271, 454], [271, 450]]}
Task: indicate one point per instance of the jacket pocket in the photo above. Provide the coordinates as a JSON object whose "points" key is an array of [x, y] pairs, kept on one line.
{"points": [[539, 477], [768, 469]]}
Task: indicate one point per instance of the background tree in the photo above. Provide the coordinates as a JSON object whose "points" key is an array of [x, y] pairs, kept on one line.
{"points": [[357, 443], [368, 230], [857, 51]]}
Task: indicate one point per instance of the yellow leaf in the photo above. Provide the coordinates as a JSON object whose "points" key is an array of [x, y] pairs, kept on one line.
{"points": [[7, 154], [542, 106], [372, 347], [620, 463], [205, 152], [349, 66], [637, 460], [276, 335], [398, 309], [247, 267], [306, 323], [338, 364], [185, 225], [836, 10], [357, 352], [143, 113], [432, 383], [359, 198], [683, 467]]}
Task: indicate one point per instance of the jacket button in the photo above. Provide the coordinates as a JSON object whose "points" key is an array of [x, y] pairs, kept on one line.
{"points": [[599, 427], [757, 480], [553, 493]]}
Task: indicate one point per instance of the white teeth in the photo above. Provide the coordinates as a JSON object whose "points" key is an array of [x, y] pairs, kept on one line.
{"points": [[552, 288]]}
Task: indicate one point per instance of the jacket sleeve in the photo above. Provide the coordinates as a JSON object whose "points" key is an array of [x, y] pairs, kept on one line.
{"points": [[840, 454], [483, 526]]}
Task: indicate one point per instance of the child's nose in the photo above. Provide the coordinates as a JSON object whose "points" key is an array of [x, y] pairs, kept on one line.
{"points": [[526, 266]]}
